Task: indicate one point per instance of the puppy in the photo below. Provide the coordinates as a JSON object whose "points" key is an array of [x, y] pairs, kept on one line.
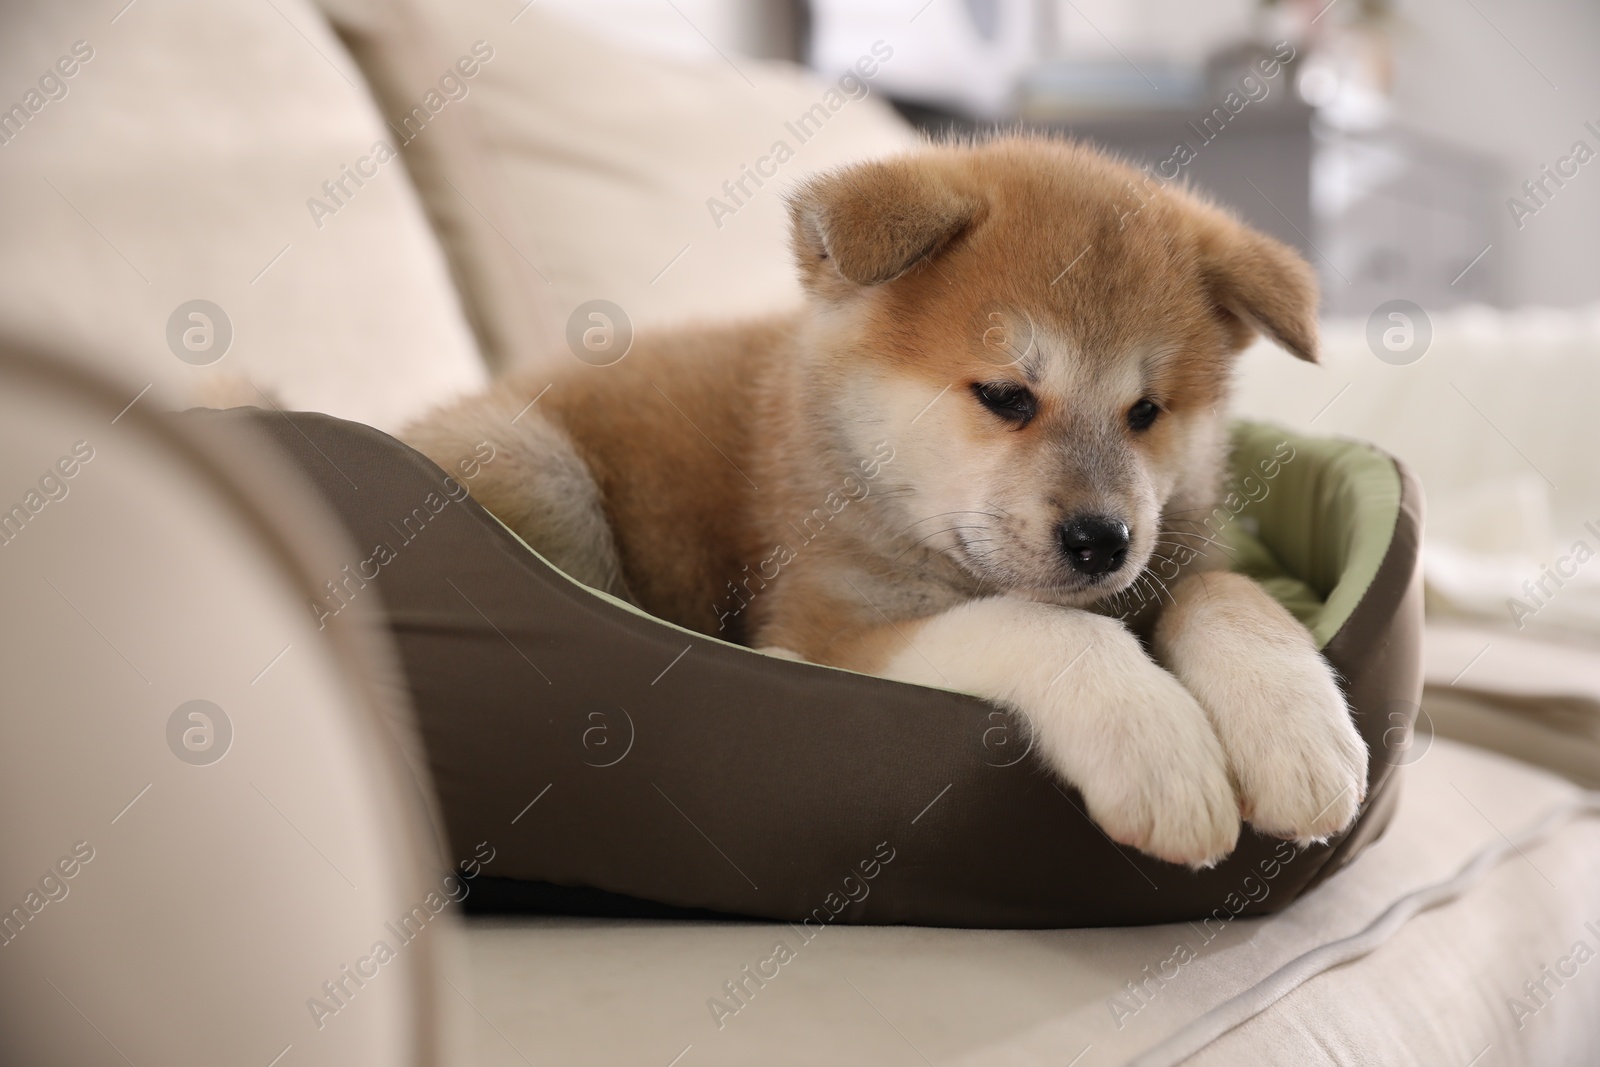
{"points": [[961, 465]]}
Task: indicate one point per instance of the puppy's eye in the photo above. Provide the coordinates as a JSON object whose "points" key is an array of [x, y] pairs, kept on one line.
{"points": [[1142, 414], [1012, 402]]}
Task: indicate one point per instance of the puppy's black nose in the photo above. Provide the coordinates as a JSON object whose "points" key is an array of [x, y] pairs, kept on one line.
{"points": [[1094, 544]]}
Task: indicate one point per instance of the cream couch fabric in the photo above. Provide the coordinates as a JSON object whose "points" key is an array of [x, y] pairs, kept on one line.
{"points": [[178, 165], [566, 169], [238, 788]]}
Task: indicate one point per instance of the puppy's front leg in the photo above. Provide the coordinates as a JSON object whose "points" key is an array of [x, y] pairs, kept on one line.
{"points": [[1105, 717], [1300, 765]]}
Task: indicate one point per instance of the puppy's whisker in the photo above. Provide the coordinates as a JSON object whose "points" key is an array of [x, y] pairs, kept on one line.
{"points": [[1185, 547], [946, 515], [935, 533], [1197, 537], [1184, 533]]}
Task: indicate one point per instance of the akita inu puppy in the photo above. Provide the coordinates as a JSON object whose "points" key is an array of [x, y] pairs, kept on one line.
{"points": [[1012, 369]]}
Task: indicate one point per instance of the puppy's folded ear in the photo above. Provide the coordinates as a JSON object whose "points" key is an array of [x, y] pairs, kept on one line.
{"points": [[870, 223], [1264, 283]]}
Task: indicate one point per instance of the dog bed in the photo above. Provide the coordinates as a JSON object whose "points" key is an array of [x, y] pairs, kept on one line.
{"points": [[621, 765]]}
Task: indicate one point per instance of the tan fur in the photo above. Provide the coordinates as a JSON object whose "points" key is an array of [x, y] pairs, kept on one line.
{"points": [[850, 436]]}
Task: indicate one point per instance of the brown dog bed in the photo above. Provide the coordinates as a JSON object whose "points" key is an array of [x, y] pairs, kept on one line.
{"points": [[621, 765]]}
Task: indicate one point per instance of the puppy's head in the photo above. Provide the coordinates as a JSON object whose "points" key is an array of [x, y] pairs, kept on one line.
{"points": [[1045, 336]]}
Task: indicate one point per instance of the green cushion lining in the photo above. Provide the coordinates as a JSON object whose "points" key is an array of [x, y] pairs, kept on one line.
{"points": [[1314, 534]]}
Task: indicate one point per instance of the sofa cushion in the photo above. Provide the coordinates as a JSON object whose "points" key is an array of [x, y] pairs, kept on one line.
{"points": [[179, 165], [565, 169]]}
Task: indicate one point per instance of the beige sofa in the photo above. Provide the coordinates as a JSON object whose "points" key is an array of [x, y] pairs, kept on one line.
{"points": [[206, 152]]}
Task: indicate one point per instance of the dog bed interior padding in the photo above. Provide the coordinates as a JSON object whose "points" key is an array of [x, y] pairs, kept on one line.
{"points": [[602, 751]]}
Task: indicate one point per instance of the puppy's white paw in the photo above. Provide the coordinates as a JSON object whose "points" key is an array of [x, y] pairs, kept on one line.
{"points": [[1103, 715], [1143, 754], [1300, 765], [1298, 762]]}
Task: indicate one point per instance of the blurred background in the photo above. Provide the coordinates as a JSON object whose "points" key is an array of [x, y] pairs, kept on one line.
{"points": [[1393, 142]]}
